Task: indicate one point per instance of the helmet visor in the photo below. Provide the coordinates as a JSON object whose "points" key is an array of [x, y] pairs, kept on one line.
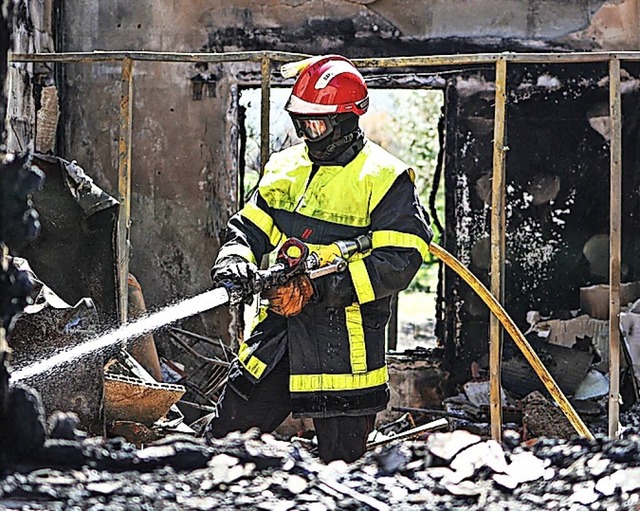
{"points": [[312, 128]]}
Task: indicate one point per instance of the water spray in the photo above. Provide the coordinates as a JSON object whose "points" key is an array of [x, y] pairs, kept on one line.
{"points": [[189, 307], [294, 258]]}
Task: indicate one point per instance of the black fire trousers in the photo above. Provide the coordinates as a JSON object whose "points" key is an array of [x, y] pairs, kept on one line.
{"points": [[269, 404]]}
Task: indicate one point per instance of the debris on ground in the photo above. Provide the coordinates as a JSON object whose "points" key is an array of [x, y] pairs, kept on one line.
{"points": [[446, 471]]}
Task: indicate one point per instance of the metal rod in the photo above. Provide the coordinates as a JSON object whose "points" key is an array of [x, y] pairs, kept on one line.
{"points": [[436, 424], [203, 368], [426, 411], [217, 375], [124, 186], [497, 247], [265, 85], [199, 337], [199, 356], [388, 62], [216, 343], [204, 408], [197, 390], [213, 385], [615, 219], [154, 56]]}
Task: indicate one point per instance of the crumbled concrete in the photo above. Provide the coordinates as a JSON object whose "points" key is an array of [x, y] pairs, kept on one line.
{"points": [[248, 471]]}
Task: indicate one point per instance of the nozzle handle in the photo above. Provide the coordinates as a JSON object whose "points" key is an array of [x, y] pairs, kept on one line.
{"points": [[356, 245], [337, 266], [364, 242]]}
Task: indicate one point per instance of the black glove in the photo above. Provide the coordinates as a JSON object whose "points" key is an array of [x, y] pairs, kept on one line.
{"points": [[238, 276]]}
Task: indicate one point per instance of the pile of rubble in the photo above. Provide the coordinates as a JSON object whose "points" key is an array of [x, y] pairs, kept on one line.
{"points": [[456, 470]]}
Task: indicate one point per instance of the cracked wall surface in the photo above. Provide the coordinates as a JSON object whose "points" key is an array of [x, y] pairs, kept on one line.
{"points": [[614, 26], [32, 32]]}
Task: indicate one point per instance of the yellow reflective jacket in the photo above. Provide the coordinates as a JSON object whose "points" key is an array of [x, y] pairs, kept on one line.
{"points": [[336, 345]]}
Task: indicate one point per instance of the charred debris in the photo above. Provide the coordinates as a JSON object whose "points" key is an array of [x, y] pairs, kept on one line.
{"points": [[246, 471]]}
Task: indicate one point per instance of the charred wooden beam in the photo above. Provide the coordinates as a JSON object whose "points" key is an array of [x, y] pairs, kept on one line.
{"points": [[124, 184], [390, 62], [498, 219], [615, 234]]}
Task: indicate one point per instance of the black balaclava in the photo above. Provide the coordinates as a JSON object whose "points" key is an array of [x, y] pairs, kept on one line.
{"points": [[342, 146]]}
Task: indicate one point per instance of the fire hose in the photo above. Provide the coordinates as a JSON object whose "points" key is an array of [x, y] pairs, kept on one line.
{"points": [[294, 258], [517, 336]]}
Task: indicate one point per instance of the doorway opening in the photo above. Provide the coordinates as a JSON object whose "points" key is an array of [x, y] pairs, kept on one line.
{"points": [[405, 122]]}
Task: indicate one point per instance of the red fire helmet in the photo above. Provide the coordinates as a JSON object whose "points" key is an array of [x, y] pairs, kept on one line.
{"points": [[328, 85]]}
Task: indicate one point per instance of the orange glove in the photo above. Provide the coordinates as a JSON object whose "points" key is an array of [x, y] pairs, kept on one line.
{"points": [[289, 299]]}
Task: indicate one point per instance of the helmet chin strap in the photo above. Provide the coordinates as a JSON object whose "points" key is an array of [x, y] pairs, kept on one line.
{"points": [[342, 147]]}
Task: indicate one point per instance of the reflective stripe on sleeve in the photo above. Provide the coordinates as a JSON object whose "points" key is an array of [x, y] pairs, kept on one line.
{"points": [[328, 382], [400, 239], [361, 281], [263, 221], [357, 347], [237, 249], [253, 364], [244, 352]]}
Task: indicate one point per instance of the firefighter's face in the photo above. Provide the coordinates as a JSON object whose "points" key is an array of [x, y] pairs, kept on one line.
{"points": [[312, 128]]}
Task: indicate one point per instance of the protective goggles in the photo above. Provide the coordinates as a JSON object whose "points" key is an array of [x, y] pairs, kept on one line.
{"points": [[313, 128]]}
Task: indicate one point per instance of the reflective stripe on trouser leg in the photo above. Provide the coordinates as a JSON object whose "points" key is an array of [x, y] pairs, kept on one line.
{"points": [[357, 347]]}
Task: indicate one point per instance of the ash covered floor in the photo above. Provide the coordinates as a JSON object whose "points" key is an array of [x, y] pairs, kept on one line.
{"points": [[441, 471]]}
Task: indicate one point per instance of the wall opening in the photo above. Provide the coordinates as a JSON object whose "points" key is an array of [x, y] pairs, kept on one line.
{"points": [[405, 122]]}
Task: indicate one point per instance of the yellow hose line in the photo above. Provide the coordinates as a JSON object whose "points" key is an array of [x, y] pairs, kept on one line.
{"points": [[516, 335]]}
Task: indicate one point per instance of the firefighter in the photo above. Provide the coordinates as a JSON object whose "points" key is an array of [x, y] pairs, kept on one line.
{"points": [[319, 349]]}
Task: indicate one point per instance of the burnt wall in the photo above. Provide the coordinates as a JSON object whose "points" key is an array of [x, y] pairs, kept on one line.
{"points": [[557, 182], [388, 27], [184, 166], [183, 178], [32, 31], [5, 42], [185, 117]]}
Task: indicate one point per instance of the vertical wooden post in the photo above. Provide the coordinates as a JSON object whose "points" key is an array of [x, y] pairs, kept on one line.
{"points": [[615, 220], [4, 345], [497, 247], [264, 111], [124, 185]]}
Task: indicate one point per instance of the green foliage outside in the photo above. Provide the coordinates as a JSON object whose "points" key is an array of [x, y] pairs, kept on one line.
{"points": [[282, 134], [415, 124]]}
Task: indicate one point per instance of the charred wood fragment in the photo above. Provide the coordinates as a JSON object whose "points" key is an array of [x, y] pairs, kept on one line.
{"points": [[18, 225]]}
